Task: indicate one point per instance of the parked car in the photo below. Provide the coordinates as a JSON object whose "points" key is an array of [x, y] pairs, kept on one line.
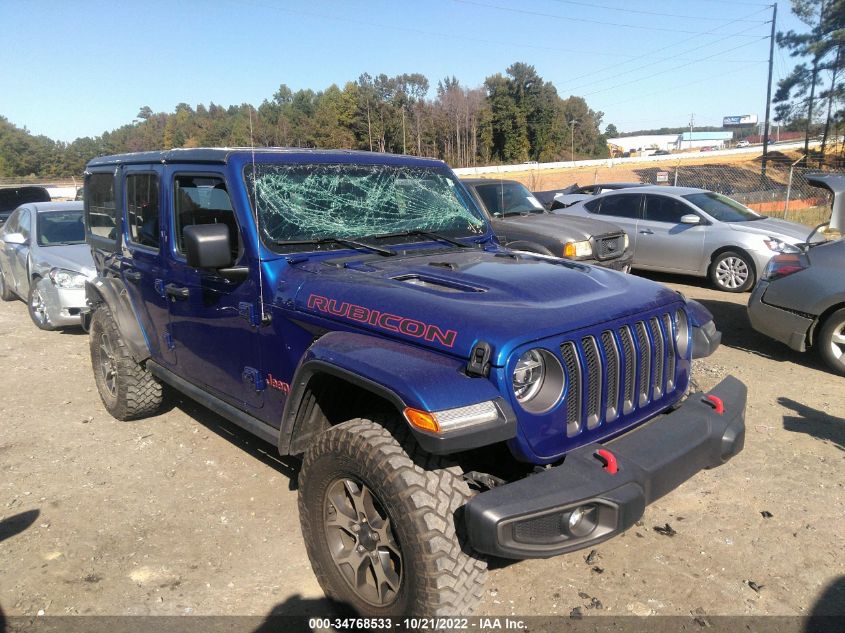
{"points": [[743, 143], [800, 298], [661, 152], [45, 261], [521, 223], [560, 198], [13, 197], [451, 400], [695, 232]]}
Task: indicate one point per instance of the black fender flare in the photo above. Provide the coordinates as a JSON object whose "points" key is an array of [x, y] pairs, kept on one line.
{"points": [[112, 292]]}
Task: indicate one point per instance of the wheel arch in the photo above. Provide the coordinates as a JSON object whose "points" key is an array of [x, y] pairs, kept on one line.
{"points": [[111, 293], [735, 248], [819, 322]]}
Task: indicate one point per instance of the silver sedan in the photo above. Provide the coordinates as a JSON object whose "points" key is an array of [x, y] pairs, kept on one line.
{"points": [[45, 261], [694, 232]]}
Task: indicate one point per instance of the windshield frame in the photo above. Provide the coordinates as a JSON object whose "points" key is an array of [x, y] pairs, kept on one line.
{"points": [[323, 243], [39, 224], [749, 215]]}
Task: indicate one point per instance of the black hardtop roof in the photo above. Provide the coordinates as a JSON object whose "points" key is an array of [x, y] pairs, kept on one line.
{"points": [[222, 155]]}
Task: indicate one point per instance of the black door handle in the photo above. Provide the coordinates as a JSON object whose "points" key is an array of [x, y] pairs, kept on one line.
{"points": [[132, 275], [177, 292]]}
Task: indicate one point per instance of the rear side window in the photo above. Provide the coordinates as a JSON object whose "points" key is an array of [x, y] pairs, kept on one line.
{"points": [[203, 200], [621, 206], [24, 226], [100, 206], [665, 209], [593, 205], [142, 209]]}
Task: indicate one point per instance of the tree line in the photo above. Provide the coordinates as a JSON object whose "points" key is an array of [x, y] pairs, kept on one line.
{"points": [[513, 117]]}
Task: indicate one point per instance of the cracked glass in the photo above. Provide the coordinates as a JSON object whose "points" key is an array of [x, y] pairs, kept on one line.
{"points": [[312, 202]]}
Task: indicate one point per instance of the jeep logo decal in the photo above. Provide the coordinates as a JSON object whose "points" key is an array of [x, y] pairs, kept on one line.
{"points": [[383, 320]]}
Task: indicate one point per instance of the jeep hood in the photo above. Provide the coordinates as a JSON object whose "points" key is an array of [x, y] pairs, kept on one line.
{"points": [[566, 226], [450, 300]]}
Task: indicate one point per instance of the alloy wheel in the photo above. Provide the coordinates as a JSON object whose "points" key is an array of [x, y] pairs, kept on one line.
{"points": [[108, 364], [732, 272], [38, 307]]}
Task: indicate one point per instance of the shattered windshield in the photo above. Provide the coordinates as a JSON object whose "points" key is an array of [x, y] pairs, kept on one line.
{"points": [[305, 203]]}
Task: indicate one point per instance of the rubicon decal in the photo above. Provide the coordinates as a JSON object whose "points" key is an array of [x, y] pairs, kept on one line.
{"points": [[383, 320]]}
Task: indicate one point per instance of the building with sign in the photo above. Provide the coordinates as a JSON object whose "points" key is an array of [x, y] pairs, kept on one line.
{"points": [[697, 140]]}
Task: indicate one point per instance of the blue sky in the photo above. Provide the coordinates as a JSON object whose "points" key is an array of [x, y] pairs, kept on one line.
{"points": [[72, 69]]}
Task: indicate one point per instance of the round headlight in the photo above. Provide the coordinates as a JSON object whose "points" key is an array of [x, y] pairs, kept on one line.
{"points": [[681, 333], [538, 380]]}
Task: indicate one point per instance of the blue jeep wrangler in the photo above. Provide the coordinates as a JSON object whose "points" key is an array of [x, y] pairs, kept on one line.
{"points": [[451, 400]]}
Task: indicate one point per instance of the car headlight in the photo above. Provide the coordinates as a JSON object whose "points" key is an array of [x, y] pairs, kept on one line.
{"points": [[538, 380], [577, 249], [779, 246], [682, 337], [62, 278]]}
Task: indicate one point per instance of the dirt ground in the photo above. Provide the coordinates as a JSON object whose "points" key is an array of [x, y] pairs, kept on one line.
{"points": [[184, 513]]}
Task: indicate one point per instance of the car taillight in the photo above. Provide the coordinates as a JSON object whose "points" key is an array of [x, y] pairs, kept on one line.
{"points": [[784, 265]]}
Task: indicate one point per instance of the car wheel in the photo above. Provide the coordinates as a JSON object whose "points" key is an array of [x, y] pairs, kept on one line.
{"points": [[383, 529], [732, 271], [831, 341], [37, 305], [6, 293], [128, 390]]}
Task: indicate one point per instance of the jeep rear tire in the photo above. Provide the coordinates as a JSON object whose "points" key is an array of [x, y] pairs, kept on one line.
{"points": [[127, 389], [382, 523]]}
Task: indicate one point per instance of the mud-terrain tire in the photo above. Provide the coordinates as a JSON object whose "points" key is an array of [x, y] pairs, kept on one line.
{"points": [[831, 341], [6, 293], [732, 271], [408, 529], [127, 389], [36, 307]]}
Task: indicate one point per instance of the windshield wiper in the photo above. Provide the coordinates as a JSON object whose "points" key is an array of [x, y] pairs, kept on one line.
{"points": [[428, 234], [337, 240]]}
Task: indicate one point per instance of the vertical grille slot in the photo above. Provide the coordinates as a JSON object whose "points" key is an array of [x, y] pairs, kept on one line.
{"points": [[630, 368], [592, 360], [659, 358], [644, 365], [573, 392], [670, 343], [611, 355]]}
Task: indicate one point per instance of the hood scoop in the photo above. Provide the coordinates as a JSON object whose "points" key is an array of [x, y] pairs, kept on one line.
{"points": [[439, 285]]}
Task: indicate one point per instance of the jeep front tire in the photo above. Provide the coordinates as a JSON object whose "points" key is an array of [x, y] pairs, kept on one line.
{"points": [[382, 523], [126, 388]]}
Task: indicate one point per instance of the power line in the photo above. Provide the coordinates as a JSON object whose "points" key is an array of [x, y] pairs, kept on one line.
{"points": [[572, 19], [669, 46], [593, 5]]}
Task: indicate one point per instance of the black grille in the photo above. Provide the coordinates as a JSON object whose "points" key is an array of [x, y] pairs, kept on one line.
{"points": [[610, 247], [573, 391], [625, 369]]}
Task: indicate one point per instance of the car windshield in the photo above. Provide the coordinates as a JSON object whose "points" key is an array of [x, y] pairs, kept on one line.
{"points": [[722, 208], [60, 227], [306, 203], [508, 198]]}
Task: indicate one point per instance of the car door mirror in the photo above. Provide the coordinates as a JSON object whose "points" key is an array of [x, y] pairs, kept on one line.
{"points": [[16, 238], [208, 246], [690, 218]]}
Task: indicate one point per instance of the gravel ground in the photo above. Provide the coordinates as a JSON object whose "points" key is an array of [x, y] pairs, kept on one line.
{"points": [[184, 513]]}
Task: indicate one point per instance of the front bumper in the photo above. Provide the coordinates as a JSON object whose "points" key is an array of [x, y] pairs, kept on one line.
{"points": [[528, 518], [64, 305], [621, 263], [782, 325]]}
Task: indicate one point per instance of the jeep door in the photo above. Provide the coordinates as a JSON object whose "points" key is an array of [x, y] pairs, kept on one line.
{"points": [[142, 266], [663, 242], [212, 318]]}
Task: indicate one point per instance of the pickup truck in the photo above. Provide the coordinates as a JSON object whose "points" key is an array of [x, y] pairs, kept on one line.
{"points": [[452, 400]]}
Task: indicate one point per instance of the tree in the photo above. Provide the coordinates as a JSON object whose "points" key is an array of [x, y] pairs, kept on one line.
{"points": [[610, 131]]}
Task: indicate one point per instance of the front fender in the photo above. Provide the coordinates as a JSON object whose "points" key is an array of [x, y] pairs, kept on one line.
{"points": [[405, 376], [110, 290]]}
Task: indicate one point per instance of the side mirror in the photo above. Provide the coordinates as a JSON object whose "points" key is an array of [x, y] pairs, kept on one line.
{"points": [[15, 238], [208, 246], [690, 218]]}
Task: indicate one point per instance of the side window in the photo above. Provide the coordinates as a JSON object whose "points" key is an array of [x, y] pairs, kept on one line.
{"points": [[11, 225], [622, 206], [664, 209], [203, 200], [142, 209], [593, 205], [25, 223], [100, 205]]}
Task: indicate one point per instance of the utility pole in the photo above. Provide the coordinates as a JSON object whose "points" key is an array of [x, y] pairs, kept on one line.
{"points": [[572, 134], [769, 92], [691, 122]]}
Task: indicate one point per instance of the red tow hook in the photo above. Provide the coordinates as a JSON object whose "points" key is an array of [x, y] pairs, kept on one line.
{"points": [[715, 402], [608, 459]]}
